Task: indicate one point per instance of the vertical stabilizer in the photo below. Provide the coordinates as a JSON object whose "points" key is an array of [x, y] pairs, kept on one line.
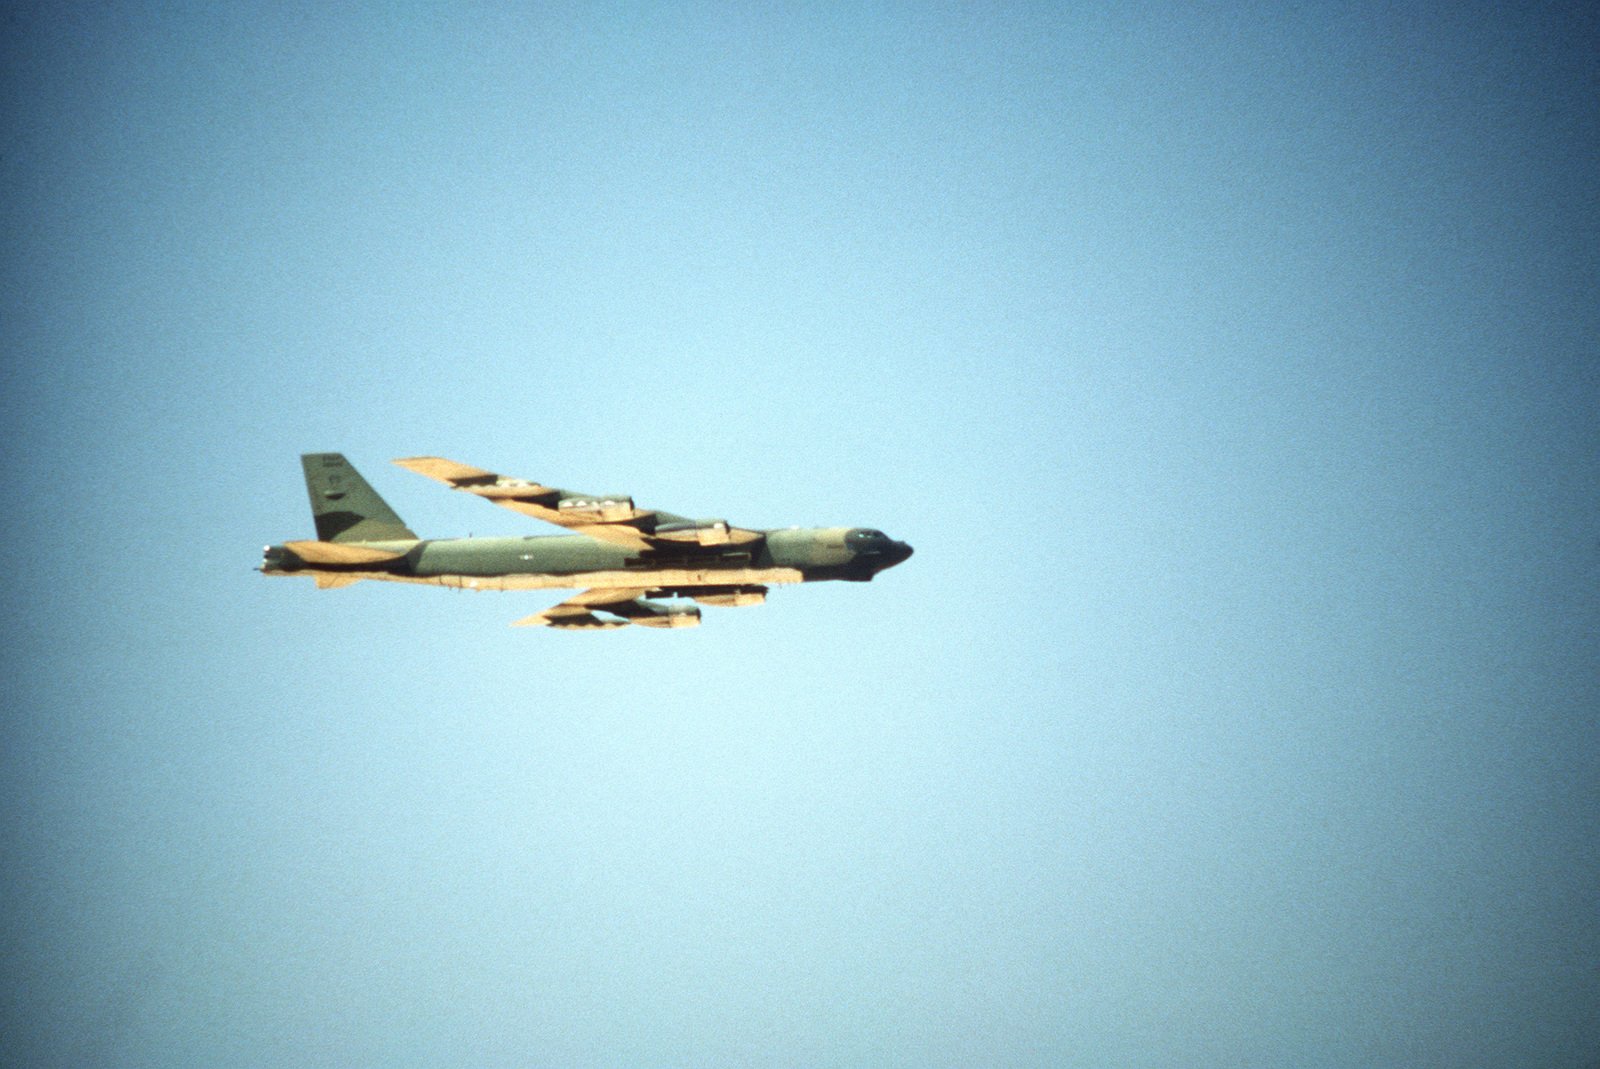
{"points": [[345, 508]]}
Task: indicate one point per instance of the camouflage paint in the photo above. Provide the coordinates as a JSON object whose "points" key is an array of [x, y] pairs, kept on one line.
{"points": [[623, 554]]}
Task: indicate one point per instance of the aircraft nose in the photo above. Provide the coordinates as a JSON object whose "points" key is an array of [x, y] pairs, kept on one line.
{"points": [[900, 551]]}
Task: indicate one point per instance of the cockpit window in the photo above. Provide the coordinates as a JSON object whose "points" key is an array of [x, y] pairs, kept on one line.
{"points": [[867, 535]]}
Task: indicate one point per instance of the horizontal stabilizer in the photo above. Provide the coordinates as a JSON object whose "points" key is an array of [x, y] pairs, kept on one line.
{"points": [[341, 553]]}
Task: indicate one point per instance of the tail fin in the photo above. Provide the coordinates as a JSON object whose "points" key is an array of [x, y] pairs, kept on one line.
{"points": [[345, 508]]}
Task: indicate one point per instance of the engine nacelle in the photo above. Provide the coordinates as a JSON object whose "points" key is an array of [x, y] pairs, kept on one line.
{"points": [[733, 598], [597, 509], [586, 622], [666, 615], [700, 532]]}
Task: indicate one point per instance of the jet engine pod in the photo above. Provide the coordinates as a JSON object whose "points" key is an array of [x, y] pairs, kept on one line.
{"points": [[598, 509], [732, 597], [667, 616], [584, 622], [697, 532]]}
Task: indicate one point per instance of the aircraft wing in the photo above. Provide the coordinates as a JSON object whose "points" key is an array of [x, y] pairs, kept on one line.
{"points": [[610, 519], [577, 612]]}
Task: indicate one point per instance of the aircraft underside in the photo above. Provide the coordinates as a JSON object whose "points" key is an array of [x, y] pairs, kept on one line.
{"points": [[676, 578], [623, 595]]}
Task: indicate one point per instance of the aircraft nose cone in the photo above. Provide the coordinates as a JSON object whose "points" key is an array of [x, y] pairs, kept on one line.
{"points": [[902, 551]]}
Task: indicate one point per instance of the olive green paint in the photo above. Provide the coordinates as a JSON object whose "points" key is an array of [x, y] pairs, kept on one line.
{"points": [[344, 507]]}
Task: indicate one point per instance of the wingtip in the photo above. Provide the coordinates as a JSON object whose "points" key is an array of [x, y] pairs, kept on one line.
{"points": [[440, 468]]}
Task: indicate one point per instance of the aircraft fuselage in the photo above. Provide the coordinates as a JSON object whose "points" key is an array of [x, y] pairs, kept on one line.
{"points": [[578, 561], [619, 557]]}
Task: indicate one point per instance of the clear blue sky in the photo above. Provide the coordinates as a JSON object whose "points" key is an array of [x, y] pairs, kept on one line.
{"points": [[1233, 369]]}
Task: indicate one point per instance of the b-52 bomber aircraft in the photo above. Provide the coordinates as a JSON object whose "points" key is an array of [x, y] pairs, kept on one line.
{"points": [[620, 557]]}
